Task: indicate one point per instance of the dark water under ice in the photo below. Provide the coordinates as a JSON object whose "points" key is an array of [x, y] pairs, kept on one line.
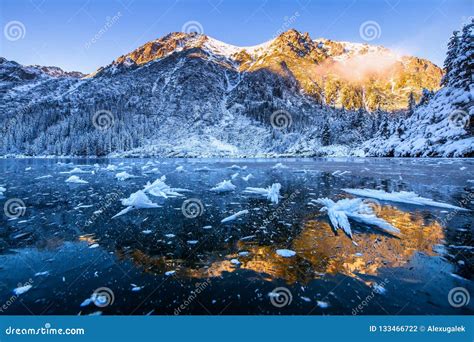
{"points": [[66, 245]]}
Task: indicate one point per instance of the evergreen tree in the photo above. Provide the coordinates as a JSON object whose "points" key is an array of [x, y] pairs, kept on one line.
{"points": [[451, 54], [411, 103], [464, 63], [326, 135]]}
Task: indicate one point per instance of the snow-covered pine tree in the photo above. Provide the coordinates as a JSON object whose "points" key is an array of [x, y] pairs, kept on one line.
{"points": [[411, 103], [451, 55], [464, 62]]}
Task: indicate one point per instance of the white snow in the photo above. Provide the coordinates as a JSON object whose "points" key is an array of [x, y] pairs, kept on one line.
{"points": [[44, 177], [137, 200], [121, 176], [76, 170], [322, 305], [272, 193], [235, 216], [76, 179], [279, 166], [235, 261], [224, 186], [285, 253], [160, 189], [379, 289], [341, 211], [402, 197], [22, 289], [111, 167], [136, 288], [246, 178]]}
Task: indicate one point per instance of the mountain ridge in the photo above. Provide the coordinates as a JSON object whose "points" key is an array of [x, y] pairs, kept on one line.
{"points": [[190, 95]]}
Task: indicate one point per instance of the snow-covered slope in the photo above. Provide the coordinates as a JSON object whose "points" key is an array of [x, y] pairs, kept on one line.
{"points": [[439, 128], [192, 95]]}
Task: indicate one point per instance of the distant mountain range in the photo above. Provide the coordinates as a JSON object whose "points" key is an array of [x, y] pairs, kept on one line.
{"points": [[191, 95]]}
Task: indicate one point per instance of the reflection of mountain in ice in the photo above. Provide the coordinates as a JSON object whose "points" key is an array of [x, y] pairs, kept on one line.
{"points": [[240, 240]]}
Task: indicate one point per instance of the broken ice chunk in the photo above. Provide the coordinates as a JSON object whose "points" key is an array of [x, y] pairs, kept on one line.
{"points": [[272, 193], [22, 289], [137, 200], [76, 179], [279, 166], [285, 253], [246, 178], [341, 211], [121, 176], [234, 216], [402, 197], [224, 186]]}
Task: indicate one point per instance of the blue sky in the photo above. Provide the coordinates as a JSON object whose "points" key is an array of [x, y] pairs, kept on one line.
{"points": [[61, 32]]}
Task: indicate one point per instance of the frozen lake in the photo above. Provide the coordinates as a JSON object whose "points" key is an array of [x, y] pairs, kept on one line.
{"points": [[64, 244]]}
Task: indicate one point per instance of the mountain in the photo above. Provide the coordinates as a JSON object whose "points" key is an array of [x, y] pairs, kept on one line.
{"points": [[340, 74], [191, 95]]}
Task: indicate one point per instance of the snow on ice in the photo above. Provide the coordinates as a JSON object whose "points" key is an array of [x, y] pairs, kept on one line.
{"points": [[224, 186], [234, 216], [272, 193], [76, 179], [402, 197], [341, 211]]}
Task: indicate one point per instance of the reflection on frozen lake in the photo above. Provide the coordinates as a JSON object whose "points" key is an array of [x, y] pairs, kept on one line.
{"points": [[65, 244]]}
